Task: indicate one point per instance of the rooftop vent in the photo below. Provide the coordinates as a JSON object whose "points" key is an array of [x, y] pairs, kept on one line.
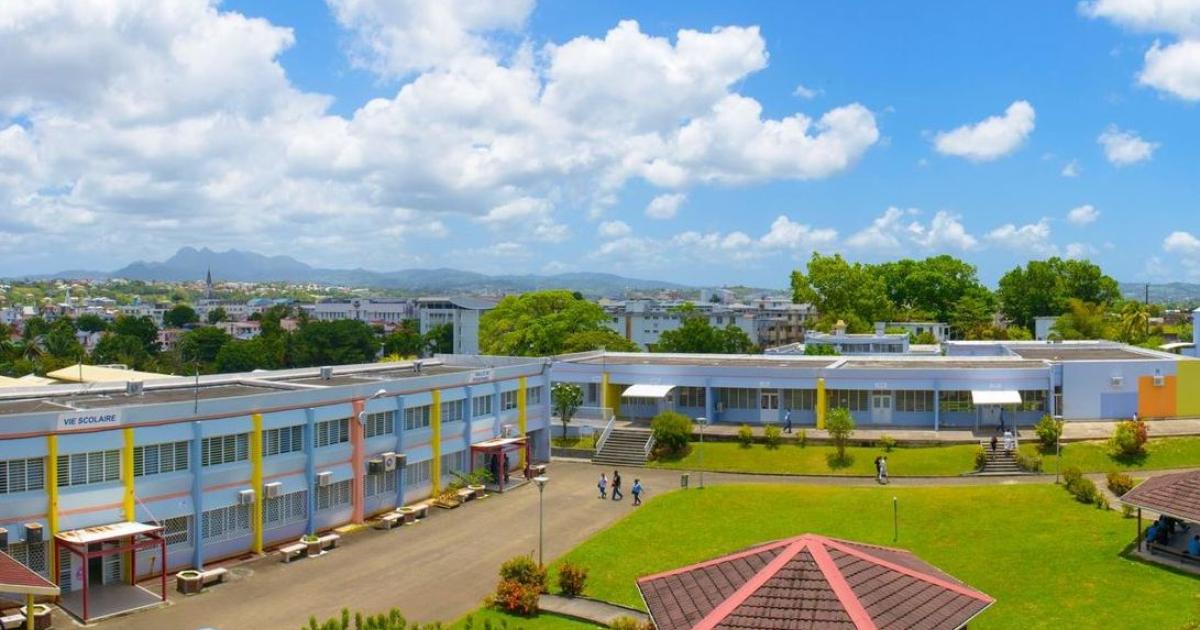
{"points": [[326, 373], [133, 388]]}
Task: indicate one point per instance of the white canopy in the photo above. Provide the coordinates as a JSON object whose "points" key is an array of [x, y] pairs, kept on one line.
{"points": [[996, 397], [647, 391]]}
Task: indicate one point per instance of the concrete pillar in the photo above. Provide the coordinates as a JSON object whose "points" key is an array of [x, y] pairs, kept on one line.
{"points": [[937, 406], [435, 443], [310, 467], [256, 480], [821, 403], [399, 430], [710, 403], [357, 462], [197, 461]]}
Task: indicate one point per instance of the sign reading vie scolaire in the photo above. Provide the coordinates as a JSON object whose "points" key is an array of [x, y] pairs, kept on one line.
{"points": [[89, 419]]}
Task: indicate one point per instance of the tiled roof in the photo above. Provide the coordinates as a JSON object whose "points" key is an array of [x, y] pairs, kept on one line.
{"points": [[17, 578], [1175, 495], [811, 582]]}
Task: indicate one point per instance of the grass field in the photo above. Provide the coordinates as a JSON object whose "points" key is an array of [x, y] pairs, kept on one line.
{"points": [[1180, 452], [1049, 561], [573, 442], [501, 620]]}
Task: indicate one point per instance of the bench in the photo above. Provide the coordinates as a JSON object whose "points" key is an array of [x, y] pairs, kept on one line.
{"points": [[420, 510], [291, 551], [329, 541], [14, 621], [389, 520], [213, 576], [465, 495], [1182, 556]]}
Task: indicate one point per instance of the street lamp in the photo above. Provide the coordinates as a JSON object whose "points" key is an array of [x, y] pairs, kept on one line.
{"points": [[362, 415], [703, 423], [541, 481]]}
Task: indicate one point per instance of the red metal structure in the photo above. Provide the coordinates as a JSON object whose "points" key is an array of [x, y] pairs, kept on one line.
{"points": [[498, 448], [132, 537]]}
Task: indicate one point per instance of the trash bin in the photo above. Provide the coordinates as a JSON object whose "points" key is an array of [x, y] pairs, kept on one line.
{"points": [[683, 480]]}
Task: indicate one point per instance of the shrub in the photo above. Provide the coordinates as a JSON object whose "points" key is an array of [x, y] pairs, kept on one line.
{"points": [[1084, 490], [1119, 483], [1126, 510], [981, 458], [523, 570], [516, 598], [840, 425], [1048, 430], [745, 435], [887, 442], [629, 623], [1129, 438], [571, 579], [773, 435], [802, 438], [672, 431], [1100, 500], [1072, 473], [1028, 463]]}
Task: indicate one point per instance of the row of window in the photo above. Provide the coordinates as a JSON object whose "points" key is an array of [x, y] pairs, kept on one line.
{"points": [[286, 509]]}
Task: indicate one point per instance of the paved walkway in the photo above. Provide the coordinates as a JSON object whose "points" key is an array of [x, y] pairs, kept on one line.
{"points": [[443, 567], [600, 612]]}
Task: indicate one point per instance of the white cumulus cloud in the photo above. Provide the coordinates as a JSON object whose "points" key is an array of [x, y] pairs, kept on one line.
{"points": [[895, 232], [1083, 215], [665, 206], [1071, 169], [1029, 238], [1123, 148], [1182, 243], [614, 229], [991, 138], [1174, 67], [788, 234]]}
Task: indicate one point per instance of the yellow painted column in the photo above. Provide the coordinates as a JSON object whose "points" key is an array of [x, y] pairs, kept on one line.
{"points": [[604, 391], [821, 405], [127, 464], [522, 413], [256, 480], [435, 424], [52, 497]]}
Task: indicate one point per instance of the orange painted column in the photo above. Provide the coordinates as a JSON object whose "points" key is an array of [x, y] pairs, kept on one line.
{"points": [[357, 461]]}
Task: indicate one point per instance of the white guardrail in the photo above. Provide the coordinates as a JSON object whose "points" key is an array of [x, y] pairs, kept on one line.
{"points": [[604, 412]]}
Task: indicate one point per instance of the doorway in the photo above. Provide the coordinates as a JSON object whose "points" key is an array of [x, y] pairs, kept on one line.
{"points": [[881, 408], [768, 406]]}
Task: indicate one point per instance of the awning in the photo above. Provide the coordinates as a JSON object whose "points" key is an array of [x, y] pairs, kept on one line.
{"points": [[647, 391], [995, 397], [102, 533]]}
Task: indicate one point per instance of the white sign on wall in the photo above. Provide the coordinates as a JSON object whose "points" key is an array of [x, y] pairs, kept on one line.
{"points": [[480, 376], [89, 419]]}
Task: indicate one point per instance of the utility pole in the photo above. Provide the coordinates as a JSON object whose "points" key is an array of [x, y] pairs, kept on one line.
{"points": [[1147, 310]]}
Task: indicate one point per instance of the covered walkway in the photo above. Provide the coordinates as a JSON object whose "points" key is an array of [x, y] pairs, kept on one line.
{"points": [[92, 593]]}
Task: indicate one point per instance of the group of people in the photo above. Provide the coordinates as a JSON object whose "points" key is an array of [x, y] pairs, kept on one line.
{"points": [[1009, 441], [1161, 531], [603, 485], [881, 472]]}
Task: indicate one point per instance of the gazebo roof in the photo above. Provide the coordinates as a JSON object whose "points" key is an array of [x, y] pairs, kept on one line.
{"points": [[18, 578], [1176, 495], [811, 581]]}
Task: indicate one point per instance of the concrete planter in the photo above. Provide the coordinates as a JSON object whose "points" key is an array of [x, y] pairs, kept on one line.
{"points": [[407, 514], [477, 489], [314, 546], [188, 582], [41, 616]]}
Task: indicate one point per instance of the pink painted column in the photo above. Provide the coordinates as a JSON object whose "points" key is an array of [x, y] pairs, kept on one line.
{"points": [[357, 462]]}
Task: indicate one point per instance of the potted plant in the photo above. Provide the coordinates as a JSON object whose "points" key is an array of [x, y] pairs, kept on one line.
{"points": [[447, 498], [188, 582], [476, 481], [314, 544]]}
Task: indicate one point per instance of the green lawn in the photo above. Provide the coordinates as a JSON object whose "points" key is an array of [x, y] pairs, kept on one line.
{"points": [[1049, 561], [815, 459], [588, 443], [1180, 452], [540, 622]]}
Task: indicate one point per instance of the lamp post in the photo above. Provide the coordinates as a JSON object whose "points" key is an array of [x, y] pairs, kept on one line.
{"points": [[541, 482], [1058, 450], [703, 423], [895, 519]]}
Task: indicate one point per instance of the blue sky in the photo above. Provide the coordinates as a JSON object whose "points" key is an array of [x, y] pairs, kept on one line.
{"points": [[702, 142]]}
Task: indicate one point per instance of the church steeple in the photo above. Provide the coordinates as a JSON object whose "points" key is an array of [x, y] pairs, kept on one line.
{"points": [[208, 284]]}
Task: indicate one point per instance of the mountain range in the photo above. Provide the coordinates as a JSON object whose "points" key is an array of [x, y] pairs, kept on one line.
{"points": [[190, 264]]}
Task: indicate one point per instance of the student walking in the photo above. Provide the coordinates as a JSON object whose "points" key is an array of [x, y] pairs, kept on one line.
{"points": [[879, 468], [636, 489], [883, 472], [787, 420], [616, 486], [603, 486]]}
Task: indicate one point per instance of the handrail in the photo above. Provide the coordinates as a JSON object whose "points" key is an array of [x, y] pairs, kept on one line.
{"points": [[649, 446], [608, 428]]}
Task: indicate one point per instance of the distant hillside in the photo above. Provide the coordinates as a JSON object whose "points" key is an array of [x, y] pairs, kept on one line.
{"points": [[1169, 293], [190, 264]]}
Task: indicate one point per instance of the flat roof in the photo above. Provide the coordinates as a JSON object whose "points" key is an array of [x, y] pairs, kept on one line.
{"points": [[99, 374], [1068, 352], [948, 363], [377, 375], [150, 397], [718, 360]]}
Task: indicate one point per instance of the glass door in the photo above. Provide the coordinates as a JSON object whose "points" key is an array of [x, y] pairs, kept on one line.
{"points": [[769, 405]]}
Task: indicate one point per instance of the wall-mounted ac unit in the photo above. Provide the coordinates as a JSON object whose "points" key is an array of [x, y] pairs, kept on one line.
{"points": [[1159, 381], [375, 466], [324, 479], [389, 462], [273, 490], [246, 497], [1116, 381], [33, 533]]}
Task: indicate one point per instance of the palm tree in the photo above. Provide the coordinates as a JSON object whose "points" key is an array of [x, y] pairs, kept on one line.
{"points": [[33, 349], [1135, 322]]}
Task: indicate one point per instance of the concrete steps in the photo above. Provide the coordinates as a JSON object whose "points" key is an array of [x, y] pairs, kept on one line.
{"points": [[624, 447], [1000, 462]]}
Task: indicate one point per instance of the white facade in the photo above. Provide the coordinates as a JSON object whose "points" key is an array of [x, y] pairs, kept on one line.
{"points": [[644, 321], [370, 310], [1042, 326], [939, 330], [462, 313]]}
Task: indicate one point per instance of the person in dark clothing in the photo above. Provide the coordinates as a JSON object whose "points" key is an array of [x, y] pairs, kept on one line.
{"points": [[994, 441], [878, 468], [616, 486], [787, 420]]}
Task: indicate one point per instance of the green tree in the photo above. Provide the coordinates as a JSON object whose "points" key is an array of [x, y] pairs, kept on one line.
{"points": [[91, 322], [241, 356], [127, 350], [840, 425], [61, 343], [537, 323], [217, 315], [929, 288], [607, 339], [672, 432], [820, 350], [179, 316], [34, 327], [839, 289], [696, 335], [440, 339], [1135, 322], [1043, 287], [1083, 320], [405, 341], [140, 328], [566, 399], [334, 343], [202, 345]]}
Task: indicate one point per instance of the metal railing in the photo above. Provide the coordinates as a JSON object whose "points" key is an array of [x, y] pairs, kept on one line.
{"points": [[649, 447], [603, 414], [608, 428]]}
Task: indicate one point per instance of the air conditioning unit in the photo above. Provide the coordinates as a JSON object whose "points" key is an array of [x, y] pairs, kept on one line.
{"points": [[389, 462], [246, 497], [508, 431], [133, 388], [3, 540], [273, 490], [324, 479], [1116, 381], [33, 533], [326, 373], [375, 466], [1159, 381]]}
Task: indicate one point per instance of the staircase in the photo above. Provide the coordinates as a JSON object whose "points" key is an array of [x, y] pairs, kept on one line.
{"points": [[626, 447], [999, 461]]}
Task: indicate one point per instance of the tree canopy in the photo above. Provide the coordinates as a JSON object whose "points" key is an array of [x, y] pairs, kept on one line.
{"points": [[696, 335], [1044, 288], [179, 316], [542, 323]]}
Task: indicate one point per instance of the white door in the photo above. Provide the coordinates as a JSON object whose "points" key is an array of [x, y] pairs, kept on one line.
{"points": [[769, 405], [881, 408]]}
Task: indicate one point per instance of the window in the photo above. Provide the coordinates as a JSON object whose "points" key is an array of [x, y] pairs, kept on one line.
{"points": [[225, 449], [1033, 400], [32, 555], [690, 397], [508, 400], [381, 483], [454, 462], [418, 474], [332, 432], [955, 400], [333, 495], [156, 459], [283, 440], [481, 406], [593, 393], [21, 475], [282, 510], [533, 395], [851, 399], [225, 523], [916, 401], [416, 418], [452, 410], [78, 469], [382, 423], [799, 399], [737, 398], [177, 531]]}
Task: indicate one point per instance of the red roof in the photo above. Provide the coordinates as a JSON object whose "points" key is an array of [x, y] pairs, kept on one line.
{"points": [[18, 578], [811, 582], [1176, 495]]}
